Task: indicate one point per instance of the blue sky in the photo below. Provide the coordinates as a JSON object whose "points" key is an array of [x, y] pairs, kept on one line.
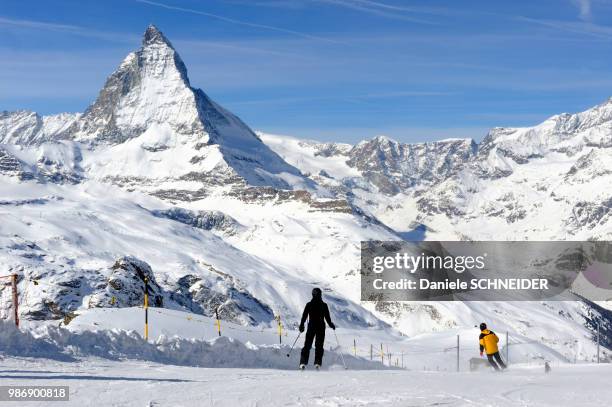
{"points": [[340, 70]]}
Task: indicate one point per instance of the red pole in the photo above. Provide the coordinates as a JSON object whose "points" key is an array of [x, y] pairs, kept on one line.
{"points": [[15, 300]]}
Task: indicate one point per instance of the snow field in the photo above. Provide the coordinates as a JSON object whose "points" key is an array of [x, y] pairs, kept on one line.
{"points": [[52, 342], [131, 383], [177, 337]]}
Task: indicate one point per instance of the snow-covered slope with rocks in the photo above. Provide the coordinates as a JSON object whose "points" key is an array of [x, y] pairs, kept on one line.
{"points": [[70, 245], [155, 179], [26, 128], [156, 175], [545, 182]]}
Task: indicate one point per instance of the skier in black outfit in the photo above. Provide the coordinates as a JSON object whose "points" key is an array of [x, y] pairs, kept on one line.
{"points": [[317, 313]]}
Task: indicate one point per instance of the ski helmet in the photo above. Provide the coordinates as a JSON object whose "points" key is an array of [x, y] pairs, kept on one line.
{"points": [[316, 292], [483, 326]]}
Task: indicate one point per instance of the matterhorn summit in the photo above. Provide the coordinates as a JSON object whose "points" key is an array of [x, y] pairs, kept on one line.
{"points": [[149, 123], [149, 88], [149, 97]]}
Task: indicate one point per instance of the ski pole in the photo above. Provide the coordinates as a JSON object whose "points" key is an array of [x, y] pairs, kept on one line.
{"points": [[340, 350], [292, 346]]}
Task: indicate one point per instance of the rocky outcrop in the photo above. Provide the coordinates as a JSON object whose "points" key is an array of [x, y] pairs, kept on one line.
{"points": [[14, 167], [125, 286], [586, 214], [394, 167], [206, 220], [27, 128], [220, 294]]}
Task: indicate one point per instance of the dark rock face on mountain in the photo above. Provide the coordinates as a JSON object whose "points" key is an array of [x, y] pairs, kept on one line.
{"points": [[394, 167], [12, 166], [220, 296], [58, 165], [125, 286], [207, 220]]}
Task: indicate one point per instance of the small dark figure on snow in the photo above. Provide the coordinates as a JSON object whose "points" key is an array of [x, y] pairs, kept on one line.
{"points": [[488, 343], [546, 367], [317, 313]]}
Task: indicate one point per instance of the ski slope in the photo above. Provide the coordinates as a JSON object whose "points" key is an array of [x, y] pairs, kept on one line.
{"points": [[102, 356], [431, 351], [131, 383]]}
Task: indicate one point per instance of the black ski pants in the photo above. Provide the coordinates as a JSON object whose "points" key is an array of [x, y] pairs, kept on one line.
{"points": [[499, 360], [318, 335]]}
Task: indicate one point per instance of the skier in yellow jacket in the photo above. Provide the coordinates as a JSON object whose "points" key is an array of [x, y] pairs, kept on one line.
{"points": [[488, 343]]}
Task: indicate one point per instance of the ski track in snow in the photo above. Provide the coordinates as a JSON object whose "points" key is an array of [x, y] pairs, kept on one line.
{"points": [[100, 382]]}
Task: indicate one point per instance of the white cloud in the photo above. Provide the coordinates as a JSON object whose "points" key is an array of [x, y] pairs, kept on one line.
{"points": [[382, 10], [577, 27], [584, 8], [66, 28], [237, 22], [37, 24]]}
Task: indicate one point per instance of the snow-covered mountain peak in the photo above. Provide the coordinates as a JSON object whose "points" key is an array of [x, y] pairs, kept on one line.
{"points": [[25, 127], [158, 51], [564, 133], [152, 35], [149, 118], [382, 139], [564, 123], [150, 87]]}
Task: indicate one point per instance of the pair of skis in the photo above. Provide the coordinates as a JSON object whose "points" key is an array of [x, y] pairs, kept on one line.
{"points": [[337, 341]]}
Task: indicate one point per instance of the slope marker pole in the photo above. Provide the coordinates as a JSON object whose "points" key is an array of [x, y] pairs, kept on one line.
{"points": [[146, 309], [598, 342], [218, 321], [280, 330], [457, 353], [15, 299]]}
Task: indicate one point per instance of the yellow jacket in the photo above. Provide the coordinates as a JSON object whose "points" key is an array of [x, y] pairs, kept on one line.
{"points": [[488, 342]]}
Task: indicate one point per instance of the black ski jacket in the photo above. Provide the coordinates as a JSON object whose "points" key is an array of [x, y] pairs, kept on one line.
{"points": [[317, 313]]}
